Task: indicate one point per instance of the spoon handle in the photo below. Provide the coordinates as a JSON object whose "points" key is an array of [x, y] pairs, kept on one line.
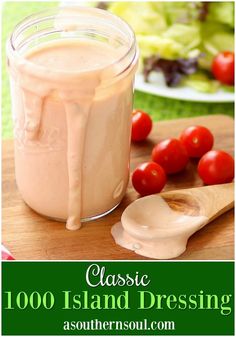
{"points": [[220, 199], [210, 201]]}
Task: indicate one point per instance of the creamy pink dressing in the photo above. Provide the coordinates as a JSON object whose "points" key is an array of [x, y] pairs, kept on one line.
{"points": [[72, 131], [151, 228]]}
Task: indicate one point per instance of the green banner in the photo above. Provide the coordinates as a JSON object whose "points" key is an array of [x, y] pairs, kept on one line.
{"points": [[117, 298]]}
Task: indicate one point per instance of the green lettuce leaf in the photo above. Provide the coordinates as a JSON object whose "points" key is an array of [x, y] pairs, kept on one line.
{"points": [[216, 37], [201, 82], [142, 16], [181, 12], [222, 12], [187, 35], [154, 44]]}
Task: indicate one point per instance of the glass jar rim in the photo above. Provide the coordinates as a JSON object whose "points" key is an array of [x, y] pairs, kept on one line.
{"points": [[50, 14]]}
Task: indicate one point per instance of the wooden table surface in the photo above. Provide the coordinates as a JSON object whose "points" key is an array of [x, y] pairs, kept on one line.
{"points": [[31, 237]]}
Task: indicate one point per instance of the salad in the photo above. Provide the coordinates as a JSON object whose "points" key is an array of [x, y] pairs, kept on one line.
{"points": [[183, 40]]}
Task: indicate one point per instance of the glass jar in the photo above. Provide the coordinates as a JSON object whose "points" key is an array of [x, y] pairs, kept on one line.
{"points": [[71, 74]]}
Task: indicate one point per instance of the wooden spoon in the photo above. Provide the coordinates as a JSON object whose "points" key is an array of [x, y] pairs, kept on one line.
{"points": [[159, 226], [210, 201]]}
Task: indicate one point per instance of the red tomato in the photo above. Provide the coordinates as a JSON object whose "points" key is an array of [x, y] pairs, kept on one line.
{"points": [[197, 140], [223, 67], [6, 255], [148, 178], [171, 155], [141, 125], [216, 167]]}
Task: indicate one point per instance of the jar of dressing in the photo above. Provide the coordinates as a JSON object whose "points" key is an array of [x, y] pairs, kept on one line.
{"points": [[71, 74]]}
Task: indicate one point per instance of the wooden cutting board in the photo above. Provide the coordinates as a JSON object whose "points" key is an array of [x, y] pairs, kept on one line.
{"points": [[31, 237]]}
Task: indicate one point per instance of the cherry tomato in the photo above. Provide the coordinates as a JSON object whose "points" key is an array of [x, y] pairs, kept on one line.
{"points": [[216, 167], [148, 178], [6, 255], [197, 140], [223, 67], [141, 125], [171, 155]]}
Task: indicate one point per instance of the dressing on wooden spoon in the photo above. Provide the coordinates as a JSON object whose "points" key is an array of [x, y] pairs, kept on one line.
{"points": [[159, 226]]}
